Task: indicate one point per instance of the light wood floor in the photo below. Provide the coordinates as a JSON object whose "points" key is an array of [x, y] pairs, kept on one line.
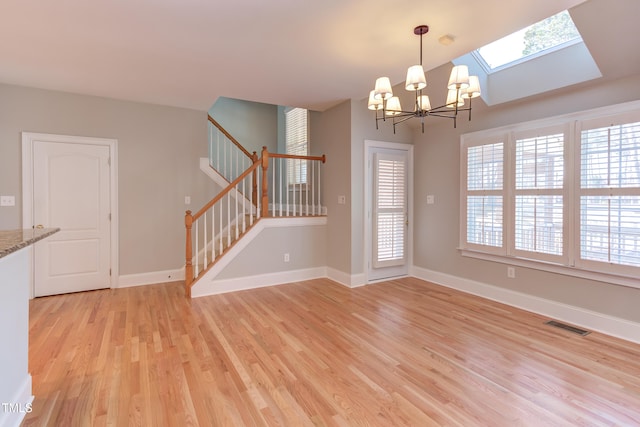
{"points": [[404, 352]]}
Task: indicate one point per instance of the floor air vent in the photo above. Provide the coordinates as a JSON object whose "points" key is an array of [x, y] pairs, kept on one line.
{"points": [[567, 327]]}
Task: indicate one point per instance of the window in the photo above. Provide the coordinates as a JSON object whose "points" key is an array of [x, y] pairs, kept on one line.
{"points": [[485, 169], [534, 60], [297, 143], [539, 193], [610, 193], [552, 33], [564, 192]]}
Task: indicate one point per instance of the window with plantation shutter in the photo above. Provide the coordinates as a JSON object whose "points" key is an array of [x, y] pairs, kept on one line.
{"points": [[610, 193], [390, 210], [559, 194], [539, 193], [297, 143], [485, 194]]}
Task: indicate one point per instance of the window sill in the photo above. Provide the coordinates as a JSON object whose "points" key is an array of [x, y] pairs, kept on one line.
{"points": [[599, 276]]}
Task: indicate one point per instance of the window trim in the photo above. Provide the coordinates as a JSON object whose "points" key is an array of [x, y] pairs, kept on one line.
{"points": [[571, 264]]}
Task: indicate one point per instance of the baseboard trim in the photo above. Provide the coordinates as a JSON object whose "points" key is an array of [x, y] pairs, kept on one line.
{"points": [[151, 278], [24, 399], [214, 287], [346, 279], [584, 318]]}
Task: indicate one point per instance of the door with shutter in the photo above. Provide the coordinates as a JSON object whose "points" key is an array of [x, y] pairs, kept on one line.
{"points": [[388, 213]]}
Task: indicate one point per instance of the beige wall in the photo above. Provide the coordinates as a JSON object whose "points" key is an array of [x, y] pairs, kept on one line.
{"points": [[436, 234], [252, 124], [330, 136], [158, 148], [306, 246]]}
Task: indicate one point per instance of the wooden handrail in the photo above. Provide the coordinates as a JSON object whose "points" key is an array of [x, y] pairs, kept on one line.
{"points": [[231, 138], [257, 162], [322, 158], [224, 192]]}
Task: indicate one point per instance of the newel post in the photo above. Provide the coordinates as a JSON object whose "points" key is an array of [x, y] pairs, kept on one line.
{"points": [[254, 180], [188, 269], [265, 182]]}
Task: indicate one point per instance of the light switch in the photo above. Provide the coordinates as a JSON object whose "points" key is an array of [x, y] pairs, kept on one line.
{"points": [[431, 199], [187, 200], [7, 200], [342, 200]]}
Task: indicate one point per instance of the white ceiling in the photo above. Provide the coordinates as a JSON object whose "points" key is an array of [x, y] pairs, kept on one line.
{"points": [[187, 53]]}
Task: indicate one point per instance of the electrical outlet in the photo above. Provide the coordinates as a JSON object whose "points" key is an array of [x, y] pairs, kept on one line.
{"points": [[342, 200], [431, 199], [187, 200], [511, 272], [7, 200], [286, 257]]}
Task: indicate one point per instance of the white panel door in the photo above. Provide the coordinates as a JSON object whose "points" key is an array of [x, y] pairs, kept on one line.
{"points": [[389, 214], [71, 191]]}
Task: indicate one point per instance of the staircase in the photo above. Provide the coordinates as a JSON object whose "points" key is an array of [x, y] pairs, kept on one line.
{"points": [[264, 187]]}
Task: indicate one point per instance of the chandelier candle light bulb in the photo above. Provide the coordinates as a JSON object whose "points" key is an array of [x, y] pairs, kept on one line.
{"points": [[460, 87]]}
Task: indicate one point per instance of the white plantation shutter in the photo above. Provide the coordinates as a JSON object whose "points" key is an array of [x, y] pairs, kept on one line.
{"points": [[539, 193], [561, 194], [484, 194], [610, 193], [297, 143], [390, 210]]}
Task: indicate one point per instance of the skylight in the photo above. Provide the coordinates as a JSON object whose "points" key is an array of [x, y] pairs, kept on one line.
{"points": [[542, 37]]}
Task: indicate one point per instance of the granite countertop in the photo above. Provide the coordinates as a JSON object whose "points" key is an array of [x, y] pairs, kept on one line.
{"points": [[14, 240]]}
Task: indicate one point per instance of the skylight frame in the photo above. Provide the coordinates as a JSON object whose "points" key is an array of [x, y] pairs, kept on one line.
{"points": [[489, 70]]}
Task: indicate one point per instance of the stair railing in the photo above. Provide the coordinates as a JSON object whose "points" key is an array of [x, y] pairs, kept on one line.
{"points": [[219, 224], [295, 185], [289, 186], [226, 155]]}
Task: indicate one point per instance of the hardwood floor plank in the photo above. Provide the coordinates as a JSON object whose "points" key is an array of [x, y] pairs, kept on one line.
{"points": [[399, 353]]}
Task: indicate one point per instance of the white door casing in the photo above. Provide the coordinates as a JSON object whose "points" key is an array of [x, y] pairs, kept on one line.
{"points": [[388, 199], [72, 186]]}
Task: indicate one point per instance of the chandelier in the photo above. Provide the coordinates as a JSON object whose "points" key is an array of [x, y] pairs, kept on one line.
{"points": [[461, 87]]}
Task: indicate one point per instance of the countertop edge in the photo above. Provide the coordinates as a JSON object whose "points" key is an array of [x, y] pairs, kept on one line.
{"points": [[13, 240]]}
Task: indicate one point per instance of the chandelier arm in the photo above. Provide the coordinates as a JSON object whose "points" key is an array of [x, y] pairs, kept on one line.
{"points": [[403, 119], [446, 108], [445, 116], [400, 114]]}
